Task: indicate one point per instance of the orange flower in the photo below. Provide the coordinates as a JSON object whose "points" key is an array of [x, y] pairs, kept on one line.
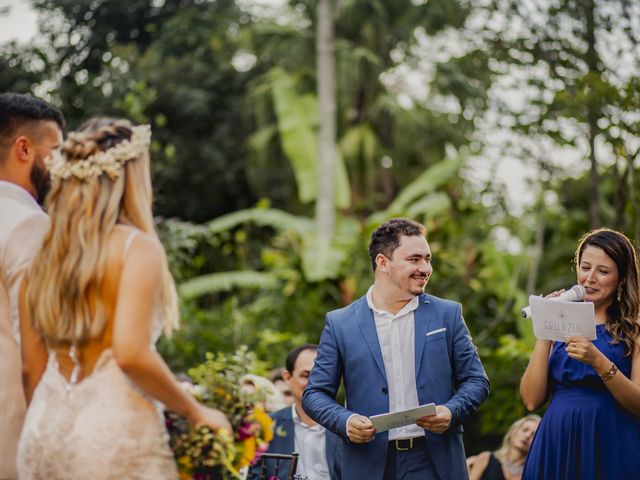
{"points": [[265, 423], [249, 447], [185, 462]]}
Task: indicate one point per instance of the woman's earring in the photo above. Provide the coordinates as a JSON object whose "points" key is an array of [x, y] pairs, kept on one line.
{"points": [[619, 292]]}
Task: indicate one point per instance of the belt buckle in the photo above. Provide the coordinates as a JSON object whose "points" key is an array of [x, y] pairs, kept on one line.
{"points": [[403, 449]]}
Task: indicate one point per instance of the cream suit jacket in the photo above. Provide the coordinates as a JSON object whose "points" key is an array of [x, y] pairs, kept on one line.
{"points": [[23, 225]]}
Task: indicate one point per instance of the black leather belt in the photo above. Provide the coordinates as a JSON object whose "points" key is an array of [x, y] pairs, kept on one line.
{"points": [[405, 444]]}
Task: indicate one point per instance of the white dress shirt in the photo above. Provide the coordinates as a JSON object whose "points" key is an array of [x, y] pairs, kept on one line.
{"points": [[310, 443], [396, 334]]}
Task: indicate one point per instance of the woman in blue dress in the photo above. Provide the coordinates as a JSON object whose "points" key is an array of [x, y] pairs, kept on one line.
{"points": [[591, 429]]}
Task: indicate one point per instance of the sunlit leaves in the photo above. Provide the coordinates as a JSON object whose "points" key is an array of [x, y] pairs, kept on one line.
{"points": [[297, 118]]}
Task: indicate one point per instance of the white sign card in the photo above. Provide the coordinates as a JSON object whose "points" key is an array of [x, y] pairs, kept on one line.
{"points": [[387, 421], [556, 320]]}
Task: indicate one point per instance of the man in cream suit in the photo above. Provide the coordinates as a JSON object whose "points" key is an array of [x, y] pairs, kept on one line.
{"points": [[29, 130], [397, 348]]}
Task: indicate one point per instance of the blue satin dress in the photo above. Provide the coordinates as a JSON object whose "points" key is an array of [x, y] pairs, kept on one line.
{"points": [[585, 434]]}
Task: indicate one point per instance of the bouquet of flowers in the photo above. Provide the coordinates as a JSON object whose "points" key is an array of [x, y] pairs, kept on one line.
{"points": [[202, 454]]}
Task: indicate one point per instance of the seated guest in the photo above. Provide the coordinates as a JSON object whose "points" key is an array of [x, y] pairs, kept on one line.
{"points": [[295, 431], [276, 376], [507, 462]]}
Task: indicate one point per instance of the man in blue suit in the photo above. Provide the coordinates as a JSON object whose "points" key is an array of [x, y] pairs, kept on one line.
{"points": [[397, 348], [295, 431]]}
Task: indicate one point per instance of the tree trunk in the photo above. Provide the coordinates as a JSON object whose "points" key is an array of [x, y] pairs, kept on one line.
{"points": [[325, 215], [538, 248], [620, 196], [594, 177], [633, 198], [594, 67]]}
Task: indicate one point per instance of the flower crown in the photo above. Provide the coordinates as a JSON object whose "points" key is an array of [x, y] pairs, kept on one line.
{"points": [[110, 161]]}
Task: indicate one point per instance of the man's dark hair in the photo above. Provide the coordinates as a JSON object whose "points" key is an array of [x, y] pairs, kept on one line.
{"points": [[386, 238], [17, 110], [292, 356]]}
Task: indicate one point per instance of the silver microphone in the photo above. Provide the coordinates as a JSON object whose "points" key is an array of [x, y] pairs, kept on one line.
{"points": [[574, 294]]}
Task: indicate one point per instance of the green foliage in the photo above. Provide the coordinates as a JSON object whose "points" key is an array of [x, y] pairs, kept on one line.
{"points": [[504, 365], [16, 75], [421, 197], [568, 56], [218, 319], [272, 347], [322, 260], [277, 219], [372, 127], [297, 118], [224, 282], [220, 375], [165, 63]]}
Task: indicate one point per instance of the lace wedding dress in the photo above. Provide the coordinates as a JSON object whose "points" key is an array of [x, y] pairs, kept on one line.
{"points": [[101, 428]]}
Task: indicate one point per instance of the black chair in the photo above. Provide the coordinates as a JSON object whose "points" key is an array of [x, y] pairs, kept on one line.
{"points": [[273, 465]]}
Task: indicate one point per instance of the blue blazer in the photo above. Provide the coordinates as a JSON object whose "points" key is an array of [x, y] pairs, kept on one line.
{"points": [[448, 372], [284, 442]]}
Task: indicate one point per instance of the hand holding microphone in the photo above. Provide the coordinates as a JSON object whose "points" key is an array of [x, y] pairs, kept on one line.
{"points": [[574, 294]]}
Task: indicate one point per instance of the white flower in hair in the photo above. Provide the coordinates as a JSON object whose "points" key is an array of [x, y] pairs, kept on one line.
{"points": [[110, 161]]}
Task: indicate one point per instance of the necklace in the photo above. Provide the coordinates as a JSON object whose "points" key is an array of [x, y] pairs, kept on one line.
{"points": [[513, 468]]}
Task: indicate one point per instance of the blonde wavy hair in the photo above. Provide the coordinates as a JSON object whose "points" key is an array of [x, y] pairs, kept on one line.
{"points": [[622, 314], [502, 453], [67, 274]]}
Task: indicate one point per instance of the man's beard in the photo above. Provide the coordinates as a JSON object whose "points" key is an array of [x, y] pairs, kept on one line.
{"points": [[40, 180]]}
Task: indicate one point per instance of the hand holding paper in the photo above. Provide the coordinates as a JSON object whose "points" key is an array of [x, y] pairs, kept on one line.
{"points": [[360, 429], [387, 421], [556, 320], [583, 350], [437, 423]]}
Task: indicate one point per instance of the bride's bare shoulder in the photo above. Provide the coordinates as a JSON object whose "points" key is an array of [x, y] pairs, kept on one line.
{"points": [[125, 238], [132, 251]]}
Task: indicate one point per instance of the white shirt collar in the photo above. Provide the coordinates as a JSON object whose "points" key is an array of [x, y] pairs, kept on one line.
{"points": [[409, 307], [298, 421], [10, 189]]}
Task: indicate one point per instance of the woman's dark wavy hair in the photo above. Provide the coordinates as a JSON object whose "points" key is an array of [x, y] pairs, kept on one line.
{"points": [[622, 314]]}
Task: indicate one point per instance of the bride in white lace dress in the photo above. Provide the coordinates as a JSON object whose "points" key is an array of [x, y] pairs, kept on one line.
{"points": [[94, 303]]}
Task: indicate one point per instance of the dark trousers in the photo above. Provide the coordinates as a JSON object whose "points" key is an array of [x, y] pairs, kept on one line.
{"points": [[409, 460]]}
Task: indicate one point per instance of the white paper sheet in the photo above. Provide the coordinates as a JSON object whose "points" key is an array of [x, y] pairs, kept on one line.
{"points": [[387, 421], [556, 320]]}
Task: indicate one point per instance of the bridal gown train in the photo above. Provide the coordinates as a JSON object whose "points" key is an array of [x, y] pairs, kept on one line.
{"points": [[102, 428]]}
